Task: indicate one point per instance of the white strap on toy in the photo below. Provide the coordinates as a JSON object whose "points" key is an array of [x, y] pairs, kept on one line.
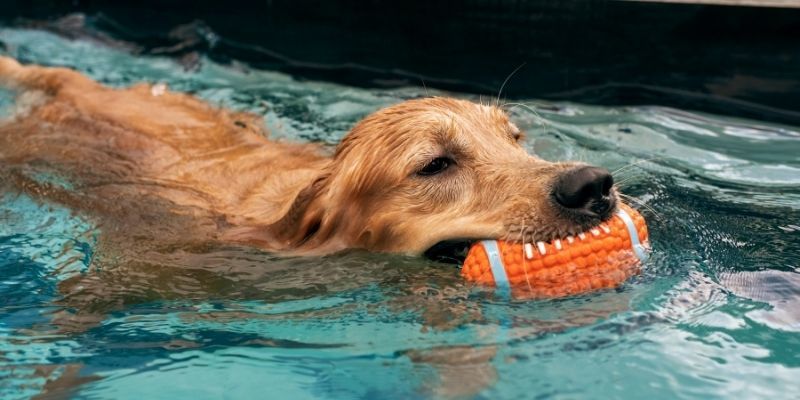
{"points": [[498, 267], [637, 245]]}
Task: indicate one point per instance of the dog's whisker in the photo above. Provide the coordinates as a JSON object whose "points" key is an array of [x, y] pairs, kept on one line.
{"points": [[636, 163], [641, 203], [625, 180], [538, 117], [627, 172], [525, 106], [500, 92]]}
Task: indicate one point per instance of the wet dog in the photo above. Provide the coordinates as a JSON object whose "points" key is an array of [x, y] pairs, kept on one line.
{"points": [[402, 180], [171, 180]]}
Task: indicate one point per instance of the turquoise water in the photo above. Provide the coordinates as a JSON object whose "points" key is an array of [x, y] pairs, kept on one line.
{"points": [[715, 314]]}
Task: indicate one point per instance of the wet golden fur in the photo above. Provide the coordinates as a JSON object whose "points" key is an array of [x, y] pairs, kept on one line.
{"points": [[144, 145]]}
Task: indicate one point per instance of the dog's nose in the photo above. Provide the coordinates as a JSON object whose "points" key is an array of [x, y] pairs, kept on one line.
{"points": [[585, 187]]}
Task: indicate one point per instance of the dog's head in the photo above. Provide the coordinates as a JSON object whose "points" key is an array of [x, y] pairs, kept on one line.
{"points": [[435, 169]]}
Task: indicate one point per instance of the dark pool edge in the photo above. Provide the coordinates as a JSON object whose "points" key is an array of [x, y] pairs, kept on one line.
{"points": [[727, 60]]}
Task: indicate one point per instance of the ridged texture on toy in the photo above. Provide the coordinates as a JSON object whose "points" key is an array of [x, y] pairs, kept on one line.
{"points": [[600, 258]]}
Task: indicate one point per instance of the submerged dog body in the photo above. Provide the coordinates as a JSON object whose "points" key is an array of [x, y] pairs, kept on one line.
{"points": [[405, 178]]}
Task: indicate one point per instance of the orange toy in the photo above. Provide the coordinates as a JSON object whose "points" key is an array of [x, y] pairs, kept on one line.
{"points": [[602, 257]]}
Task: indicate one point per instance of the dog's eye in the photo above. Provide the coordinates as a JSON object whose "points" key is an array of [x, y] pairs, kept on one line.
{"points": [[436, 166]]}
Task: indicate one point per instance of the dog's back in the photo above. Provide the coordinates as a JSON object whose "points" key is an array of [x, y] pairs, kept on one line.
{"points": [[145, 147], [403, 179]]}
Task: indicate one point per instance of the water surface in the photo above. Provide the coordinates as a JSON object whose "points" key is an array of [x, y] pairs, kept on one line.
{"points": [[715, 314]]}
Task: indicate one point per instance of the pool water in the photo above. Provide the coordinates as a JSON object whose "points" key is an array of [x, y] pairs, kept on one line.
{"points": [[715, 313]]}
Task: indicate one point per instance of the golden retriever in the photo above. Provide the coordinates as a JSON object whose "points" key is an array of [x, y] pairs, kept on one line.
{"points": [[402, 180], [165, 167]]}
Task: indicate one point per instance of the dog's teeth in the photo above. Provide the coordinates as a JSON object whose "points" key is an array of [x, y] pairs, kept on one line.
{"points": [[542, 249], [605, 228], [158, 89], [582, 235], [570, 239], [558, 244], [595, 232], [528, 250]]}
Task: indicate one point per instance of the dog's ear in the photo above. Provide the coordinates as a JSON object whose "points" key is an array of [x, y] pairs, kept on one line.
{"points": [[304, 218]]}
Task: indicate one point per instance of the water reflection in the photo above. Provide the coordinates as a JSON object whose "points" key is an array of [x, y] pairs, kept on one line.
{"points": [[143, 307]]}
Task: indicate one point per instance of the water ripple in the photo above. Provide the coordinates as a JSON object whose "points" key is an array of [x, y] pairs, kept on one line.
{"points": [[714, 313]]}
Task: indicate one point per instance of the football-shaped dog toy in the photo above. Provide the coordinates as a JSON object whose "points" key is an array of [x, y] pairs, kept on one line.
{"points": [[600, 258]]}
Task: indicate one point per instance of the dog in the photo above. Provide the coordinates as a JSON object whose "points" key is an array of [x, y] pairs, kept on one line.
{"points": [[405, 178], [159, 168]]}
